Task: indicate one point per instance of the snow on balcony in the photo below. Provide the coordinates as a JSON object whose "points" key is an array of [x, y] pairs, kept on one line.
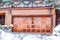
{"points": [[8, 3]]}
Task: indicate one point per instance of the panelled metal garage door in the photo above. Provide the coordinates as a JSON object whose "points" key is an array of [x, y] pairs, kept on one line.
{"points": [[32, 24]]}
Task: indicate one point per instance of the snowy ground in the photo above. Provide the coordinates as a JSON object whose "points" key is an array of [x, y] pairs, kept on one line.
{"points": [[25, 36], [19, 36], [6, 35]]}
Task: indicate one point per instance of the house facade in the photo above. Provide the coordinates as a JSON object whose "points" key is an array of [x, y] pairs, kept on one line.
{"points": [[28, 16]]}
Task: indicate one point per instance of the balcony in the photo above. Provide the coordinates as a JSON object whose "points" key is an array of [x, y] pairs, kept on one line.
{"points": [[24, 3]]}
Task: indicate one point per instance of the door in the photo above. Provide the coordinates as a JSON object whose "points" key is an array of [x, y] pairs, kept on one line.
{"points": [[40, 24], [2, 19], [57, 17]]}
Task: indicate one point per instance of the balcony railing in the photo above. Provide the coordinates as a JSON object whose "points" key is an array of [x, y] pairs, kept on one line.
{"points": [[23, 3]]}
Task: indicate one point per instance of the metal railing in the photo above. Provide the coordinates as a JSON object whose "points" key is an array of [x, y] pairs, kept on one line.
{"points": [[23, 3]]}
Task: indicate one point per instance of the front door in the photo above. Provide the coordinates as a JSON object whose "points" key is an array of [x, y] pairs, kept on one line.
{"points": [[2, 19], [57, 17]]}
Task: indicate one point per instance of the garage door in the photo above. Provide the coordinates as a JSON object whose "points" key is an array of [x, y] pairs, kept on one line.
{"points": [[40, 24]]}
